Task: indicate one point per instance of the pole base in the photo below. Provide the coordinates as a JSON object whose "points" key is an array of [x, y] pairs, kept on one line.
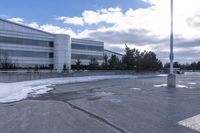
{"points": [[171, 81]]}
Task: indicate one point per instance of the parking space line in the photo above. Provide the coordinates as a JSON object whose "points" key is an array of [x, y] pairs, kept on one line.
{"points": [[192, 123]]}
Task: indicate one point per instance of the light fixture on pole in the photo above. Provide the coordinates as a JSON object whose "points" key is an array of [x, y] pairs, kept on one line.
{"points": [[171, 79]]}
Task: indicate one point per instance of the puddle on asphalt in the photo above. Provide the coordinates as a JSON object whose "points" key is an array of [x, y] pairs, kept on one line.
{"points": [[99, 95], [90, 95], [94, 98], [113, 100]]}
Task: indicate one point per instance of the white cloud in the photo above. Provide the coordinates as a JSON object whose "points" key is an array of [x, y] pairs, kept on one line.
{"points": [[45, 27], [17, 20], [154, 21], [155, 18], [57, 30], [110, 16], [34, 25], [73, 20]]}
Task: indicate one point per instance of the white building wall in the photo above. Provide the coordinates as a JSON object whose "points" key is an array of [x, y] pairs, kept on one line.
{"points": [[62, 52], [14, 30], [62, 46]]}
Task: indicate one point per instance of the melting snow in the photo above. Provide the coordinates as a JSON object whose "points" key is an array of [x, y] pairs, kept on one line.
{"points": [[10, 92], [181, 86], [161, 85], [136, 89], [165, 85], [162, 75], [104, 93], [191, 83]]}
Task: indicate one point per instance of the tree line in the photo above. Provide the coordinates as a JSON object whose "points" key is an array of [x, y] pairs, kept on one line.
{"points": [[133, 59], [186, 66]]}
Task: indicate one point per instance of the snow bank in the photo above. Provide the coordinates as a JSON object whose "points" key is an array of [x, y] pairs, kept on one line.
{"points": [[11, 92], [162, 75], [165, 85]]}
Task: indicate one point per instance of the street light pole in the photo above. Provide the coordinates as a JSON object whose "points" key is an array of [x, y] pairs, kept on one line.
{"points": [[171, 79], [172, 39]]}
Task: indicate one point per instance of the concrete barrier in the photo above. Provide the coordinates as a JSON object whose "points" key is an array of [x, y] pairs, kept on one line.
{"points": [[8, 77]]}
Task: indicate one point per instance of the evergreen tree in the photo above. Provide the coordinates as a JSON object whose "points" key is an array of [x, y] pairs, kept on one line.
{"points": [[150, 62], [64, 68], [136, 60], [78, 64], [198, 65], [128, 60], [105, 65], [114, 62], [94, 65], [193, 66]]}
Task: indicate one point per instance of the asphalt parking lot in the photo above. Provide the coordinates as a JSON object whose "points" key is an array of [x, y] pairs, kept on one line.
{"points": [[143, 105]]}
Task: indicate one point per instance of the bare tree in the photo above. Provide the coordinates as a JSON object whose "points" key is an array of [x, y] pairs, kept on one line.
{"points": [[5, 61]]}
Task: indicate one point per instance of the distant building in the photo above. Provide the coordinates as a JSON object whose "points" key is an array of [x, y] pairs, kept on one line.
{"points": [[28, 47], [110, 53], [85, 50]]}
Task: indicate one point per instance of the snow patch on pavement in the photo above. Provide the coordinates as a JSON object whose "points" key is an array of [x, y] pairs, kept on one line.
{"points": [[11, 92], [165, 85], [161, 85], [181, 86], [103, 93], [191, 83], [192, 87], [113, 100], [162, 75], [192, 123], [137, 89]]}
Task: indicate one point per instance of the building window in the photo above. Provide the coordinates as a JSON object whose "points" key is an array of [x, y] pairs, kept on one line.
{"points": [[14, 53], [51, 44], [86, 57], [22, 41], [87, 47], [51, 55]]}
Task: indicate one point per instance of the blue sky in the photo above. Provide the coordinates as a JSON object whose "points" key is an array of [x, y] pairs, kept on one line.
{"points": [[44, 11], [141, 24]]}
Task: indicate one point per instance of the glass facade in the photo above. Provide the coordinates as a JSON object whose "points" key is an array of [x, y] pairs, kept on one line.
{"points": [[14, 53], [87, 47], [21, 41], [86, 57]]}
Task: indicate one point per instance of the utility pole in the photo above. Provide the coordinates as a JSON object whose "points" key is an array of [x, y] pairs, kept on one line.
{"points": [[171, 79], [172, 39]]}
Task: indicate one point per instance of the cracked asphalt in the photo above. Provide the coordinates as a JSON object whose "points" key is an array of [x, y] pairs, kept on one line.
{"points": [[107, 106]]}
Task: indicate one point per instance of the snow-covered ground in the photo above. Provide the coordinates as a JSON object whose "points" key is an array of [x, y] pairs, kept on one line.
{"points": [[11, 92]]}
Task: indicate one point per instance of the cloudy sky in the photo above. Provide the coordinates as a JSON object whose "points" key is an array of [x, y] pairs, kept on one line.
{"points": [[143, 24]]}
